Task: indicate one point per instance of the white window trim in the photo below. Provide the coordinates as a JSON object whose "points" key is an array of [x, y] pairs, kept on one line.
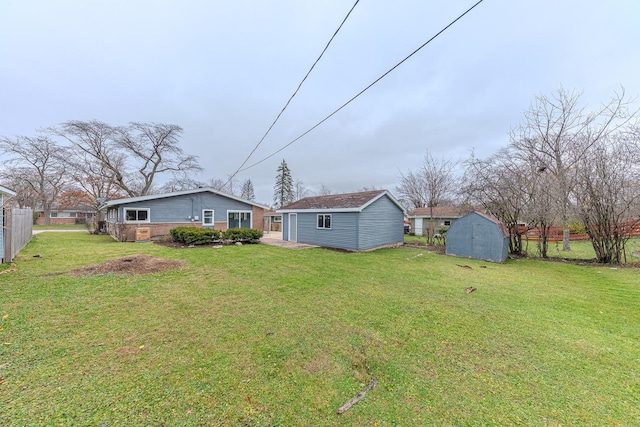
{"points": [[213, 217], [330, 221], [241, 212], [137, 209]]}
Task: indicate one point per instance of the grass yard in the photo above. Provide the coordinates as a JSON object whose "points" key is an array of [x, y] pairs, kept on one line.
{"points": [[256, 335]]}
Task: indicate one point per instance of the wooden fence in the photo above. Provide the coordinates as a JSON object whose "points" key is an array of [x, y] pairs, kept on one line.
{"points": [[18, 229]]}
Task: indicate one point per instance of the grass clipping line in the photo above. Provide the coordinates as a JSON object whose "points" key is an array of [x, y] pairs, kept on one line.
{"points": [[358, 397], [130, 265]]}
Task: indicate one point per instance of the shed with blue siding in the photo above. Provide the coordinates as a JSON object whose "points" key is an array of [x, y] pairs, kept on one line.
{"points": [[352, 221], [202, 207], [478, 236]]}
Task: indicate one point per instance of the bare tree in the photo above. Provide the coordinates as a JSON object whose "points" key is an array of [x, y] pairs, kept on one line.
{"points": [[300, 191], [556, 134], [39, 164], [132, 156], [608, 196], [324, 191], [504, 188], [429, 186]]}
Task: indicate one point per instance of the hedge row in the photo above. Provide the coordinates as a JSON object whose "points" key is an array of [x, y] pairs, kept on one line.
{"points": [[203, 236]]}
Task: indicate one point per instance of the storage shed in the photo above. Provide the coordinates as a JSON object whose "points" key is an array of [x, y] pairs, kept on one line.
{"points": [[478, 236], [351, 221]]}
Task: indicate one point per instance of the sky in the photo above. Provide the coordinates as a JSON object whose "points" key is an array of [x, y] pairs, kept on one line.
{"points": [[223, 70]]}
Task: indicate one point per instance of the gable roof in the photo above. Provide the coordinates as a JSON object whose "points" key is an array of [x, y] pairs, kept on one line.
{"points": [[118, 202], [346, 202]]}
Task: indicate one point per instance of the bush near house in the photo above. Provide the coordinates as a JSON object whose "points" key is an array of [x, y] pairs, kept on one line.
{"points": [[194, 236], [203, 236], [244, 235]]}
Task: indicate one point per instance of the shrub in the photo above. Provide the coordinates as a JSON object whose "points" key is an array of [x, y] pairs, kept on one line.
{"points": [[194, 235], [244, 235]]}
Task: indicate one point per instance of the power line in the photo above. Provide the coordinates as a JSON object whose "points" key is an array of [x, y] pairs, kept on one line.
{"points": [[294, 93], [363, 90]]}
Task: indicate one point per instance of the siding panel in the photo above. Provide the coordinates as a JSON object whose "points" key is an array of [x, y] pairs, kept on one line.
{"points": [[342, 234], [381, 223]]}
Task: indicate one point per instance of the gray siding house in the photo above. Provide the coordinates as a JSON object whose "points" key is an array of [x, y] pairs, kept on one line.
{"points": [[478, 236], [352, 221], [202, 207]]}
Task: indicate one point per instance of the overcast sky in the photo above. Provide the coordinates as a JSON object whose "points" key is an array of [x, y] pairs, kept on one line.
{"points": [[223, 70]]}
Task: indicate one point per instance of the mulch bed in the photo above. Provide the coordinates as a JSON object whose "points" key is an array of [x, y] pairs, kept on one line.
{"points": [[130, 265]]}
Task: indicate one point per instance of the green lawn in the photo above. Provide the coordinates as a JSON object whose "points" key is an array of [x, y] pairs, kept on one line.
{"points": [[258, 336]]}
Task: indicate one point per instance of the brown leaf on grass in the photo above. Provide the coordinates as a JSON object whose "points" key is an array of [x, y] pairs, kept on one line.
{"points": [[465, 266], [469, 290]]}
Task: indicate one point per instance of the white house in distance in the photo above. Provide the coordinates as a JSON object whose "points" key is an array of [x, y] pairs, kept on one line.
{"points": [[443, 216]]}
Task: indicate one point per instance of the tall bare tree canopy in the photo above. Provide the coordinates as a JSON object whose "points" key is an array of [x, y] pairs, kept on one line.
{"points": [[132, 156], [557, 133], [37, 166], [431, 185]]}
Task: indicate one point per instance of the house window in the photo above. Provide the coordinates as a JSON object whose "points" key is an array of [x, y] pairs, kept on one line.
{"points": [[447, 223], [62, 214], [277, 219], [238, 219], [207, 217], [136, 215], [324, 221]]}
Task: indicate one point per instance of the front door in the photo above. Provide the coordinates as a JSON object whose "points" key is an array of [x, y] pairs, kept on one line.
{"points": [[293, 227]]}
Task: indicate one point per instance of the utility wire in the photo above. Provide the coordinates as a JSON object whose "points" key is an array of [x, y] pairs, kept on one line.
{"points": [[363, 90], [293, 95]]}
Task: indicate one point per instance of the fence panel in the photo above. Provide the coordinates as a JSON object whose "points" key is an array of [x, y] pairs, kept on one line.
{"points": [[18, 229]]}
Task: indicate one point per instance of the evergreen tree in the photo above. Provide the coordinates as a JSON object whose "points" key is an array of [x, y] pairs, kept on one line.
{"points": [[247, 190], [283, 193]]}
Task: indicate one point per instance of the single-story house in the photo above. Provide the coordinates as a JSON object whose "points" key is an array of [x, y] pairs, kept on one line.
{"points": [[157, 214], [480, 236], [443, 217], [76, 215], [352, 221]]}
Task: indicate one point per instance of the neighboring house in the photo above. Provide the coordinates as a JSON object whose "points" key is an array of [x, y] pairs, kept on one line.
{"points": [[77, 215], [353, 221], [443, 217], [480, 236], [16, 227], [202, 207]]}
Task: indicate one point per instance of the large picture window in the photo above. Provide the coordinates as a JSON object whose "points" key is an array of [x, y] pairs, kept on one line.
{"points": [[136, 215], [324, 221], [207, 217], [239, 219]]}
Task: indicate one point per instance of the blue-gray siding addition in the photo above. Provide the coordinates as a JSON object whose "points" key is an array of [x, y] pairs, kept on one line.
{"points": [[379, 224], [186, 207]]}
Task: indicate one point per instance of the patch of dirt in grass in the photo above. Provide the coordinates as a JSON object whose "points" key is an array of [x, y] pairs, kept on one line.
{"points": [[438, 249], [130, 265]]}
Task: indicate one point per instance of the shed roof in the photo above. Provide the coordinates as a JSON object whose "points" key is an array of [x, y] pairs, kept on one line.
{"points": [[346, 202], [118, 202], [503, 228]]}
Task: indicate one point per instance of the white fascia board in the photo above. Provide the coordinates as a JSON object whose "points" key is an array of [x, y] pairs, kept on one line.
{"points": [[335, 210], [5, 190], [384, 193]]}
